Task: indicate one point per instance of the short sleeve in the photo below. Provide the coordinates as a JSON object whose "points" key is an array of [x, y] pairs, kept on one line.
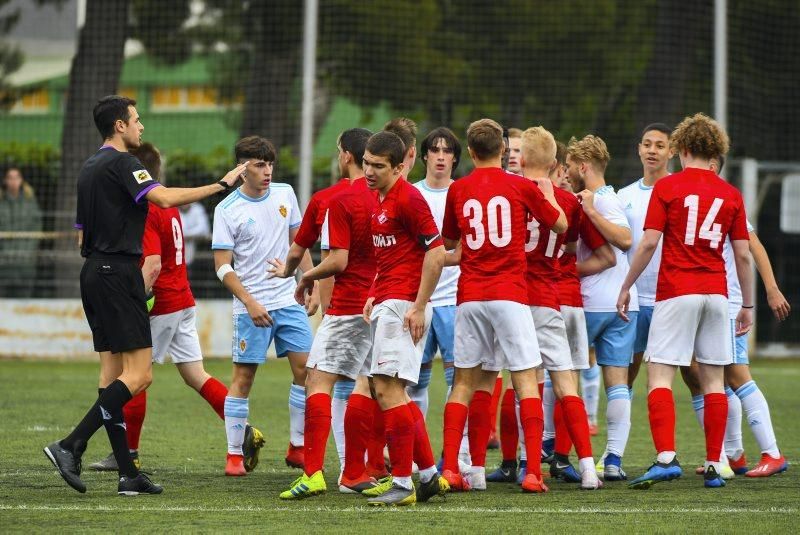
{"points": [[151, 239], [450, 228], [419, 221], [610, 207], [589, 233], [739, 228], [222, 236], [656, 217], [538, 205], [296, 217], [338, 225], [134, 177], [309, 230]]}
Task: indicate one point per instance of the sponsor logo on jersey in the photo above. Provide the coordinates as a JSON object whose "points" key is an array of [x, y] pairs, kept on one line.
{"points": [[283, 210], [379, 240], [142, 176]]}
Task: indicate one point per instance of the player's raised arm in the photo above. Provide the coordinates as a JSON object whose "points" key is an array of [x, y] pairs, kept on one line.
{"points": [[164, 197]]}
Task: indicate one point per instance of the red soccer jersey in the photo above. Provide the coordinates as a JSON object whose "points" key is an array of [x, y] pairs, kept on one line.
{"points": [[163, 236], [542, 246], [314, 216], [403, 230], [349, 216], [696, 210], [488, 211], [569, 284]]}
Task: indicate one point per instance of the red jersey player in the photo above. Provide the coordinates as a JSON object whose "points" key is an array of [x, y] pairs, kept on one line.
{"points": [[695, 210], [172, 320], [488, 212], [409, 255]]}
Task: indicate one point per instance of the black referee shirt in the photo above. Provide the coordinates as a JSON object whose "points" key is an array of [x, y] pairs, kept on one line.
{"points": [[112, 207]]}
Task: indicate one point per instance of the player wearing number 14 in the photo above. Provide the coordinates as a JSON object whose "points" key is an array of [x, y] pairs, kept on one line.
{"points": [[695, 210]]}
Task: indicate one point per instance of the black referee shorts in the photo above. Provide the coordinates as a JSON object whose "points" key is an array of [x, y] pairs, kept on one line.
{"points": [[112, 291]]}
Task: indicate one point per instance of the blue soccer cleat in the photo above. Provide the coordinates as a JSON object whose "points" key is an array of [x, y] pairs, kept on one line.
{"points": [[505, 473], [547, 450], [656, 473], [560, 469], [522, 472], [711, 479], [612, 468]]}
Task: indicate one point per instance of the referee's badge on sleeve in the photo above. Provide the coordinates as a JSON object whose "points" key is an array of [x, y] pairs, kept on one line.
{"points": [[142, 176]]}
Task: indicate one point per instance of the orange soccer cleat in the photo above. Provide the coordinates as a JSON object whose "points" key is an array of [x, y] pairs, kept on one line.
{"points": [[295, 457], [533, 483], [456, 481], [234, 466], [768, 466]]}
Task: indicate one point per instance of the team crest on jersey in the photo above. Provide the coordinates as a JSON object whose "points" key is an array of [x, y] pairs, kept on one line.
{"points": [[283, 210], [141, 176], [382, 217], [242, 345]]}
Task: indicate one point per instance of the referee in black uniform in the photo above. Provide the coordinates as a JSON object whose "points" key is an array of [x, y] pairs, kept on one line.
{"points": [[113, 193]]}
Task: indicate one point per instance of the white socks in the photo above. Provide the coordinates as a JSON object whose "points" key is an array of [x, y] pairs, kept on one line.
{"points": [[756, 410], [297, 415]]}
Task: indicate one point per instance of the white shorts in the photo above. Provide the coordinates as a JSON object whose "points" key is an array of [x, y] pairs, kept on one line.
{"points": [[575, 324], [690, 324], [552, 337], [495, 335], [341, 346], [394, 353], [176, 333]]}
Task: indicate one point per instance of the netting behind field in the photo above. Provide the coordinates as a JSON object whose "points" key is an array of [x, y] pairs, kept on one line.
{"points": [[207, 72]]}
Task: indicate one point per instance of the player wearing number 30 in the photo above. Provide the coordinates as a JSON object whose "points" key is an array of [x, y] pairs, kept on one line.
{"points": [[695, 210]]}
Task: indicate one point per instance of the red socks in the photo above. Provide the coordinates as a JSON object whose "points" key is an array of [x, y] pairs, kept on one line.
{"points": [[357, 426], [577, 423], [134, 412], [563, 441], [400, 439], [509, 432], [496, 394], [661, 409], [376, 441], [214, 392], [423, 453], [479, 429], [715, 415], [455, 417], [532, 418], [317, 429]]}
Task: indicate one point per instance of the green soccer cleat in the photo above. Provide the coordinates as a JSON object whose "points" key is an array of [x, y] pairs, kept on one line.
{"points": [[253, 442], [395, 496], [305, 487], [383, 486]]}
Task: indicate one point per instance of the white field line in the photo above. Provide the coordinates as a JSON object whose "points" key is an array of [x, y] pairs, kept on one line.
{"points": [[410, 510]]}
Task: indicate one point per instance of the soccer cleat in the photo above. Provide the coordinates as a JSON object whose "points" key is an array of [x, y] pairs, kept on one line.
{"points": [[437, 486], [522, 472], [395, 495], [612, 468], [68, 464], [593, 429], [700, 470], [234, 465], [656, 473], [564, 470], [378, 476], [305, 487], [141, 484], [457, 482], [601, 464], [505, 473], [253, 442], [382, 486], [358, 485], [739, 466], [294, 456], [547, 450], [109, 464], [725, 471], [476, 478], [768, 466], [494, 442], [711, 479], [533, 483], [590, 481]]}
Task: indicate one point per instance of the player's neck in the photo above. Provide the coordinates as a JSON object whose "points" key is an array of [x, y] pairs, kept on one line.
{"points": [[382, 192], [491, 162], [651, 177], [695, 162], [252, 192], [438, 183], [354, 172], [116, 143], [534, 172], [594, 182]]}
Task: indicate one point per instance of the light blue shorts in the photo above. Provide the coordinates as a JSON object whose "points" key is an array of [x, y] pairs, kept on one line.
{"points": [[642, 328], [441, 335], [739, 345], [290, 330], [612, 337]]}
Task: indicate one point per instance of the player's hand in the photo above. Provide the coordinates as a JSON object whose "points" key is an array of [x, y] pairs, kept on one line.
{"points": [[586, 198], [546, 186], [623, 302], [259, 314], [368, 309], [304, 287], [312, 300], [235, 174], [414, 321], [744, 321], [278, 269], [779, 305]]}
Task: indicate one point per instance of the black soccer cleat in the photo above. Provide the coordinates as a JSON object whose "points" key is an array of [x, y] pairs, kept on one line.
{"points": [[141, 484], [68, 464]]}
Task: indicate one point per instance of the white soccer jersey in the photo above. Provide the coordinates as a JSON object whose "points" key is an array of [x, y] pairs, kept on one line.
{"points": [[445, 292], [600, 291], [257, 230], [635, 199], [734, 289]]}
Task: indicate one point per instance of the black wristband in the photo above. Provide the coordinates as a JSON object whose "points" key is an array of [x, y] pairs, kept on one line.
{"points": [[224, 185], [751, 306]]}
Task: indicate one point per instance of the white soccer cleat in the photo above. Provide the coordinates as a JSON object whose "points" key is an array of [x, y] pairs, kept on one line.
{"points": [[476, 477], [590, 481]]}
